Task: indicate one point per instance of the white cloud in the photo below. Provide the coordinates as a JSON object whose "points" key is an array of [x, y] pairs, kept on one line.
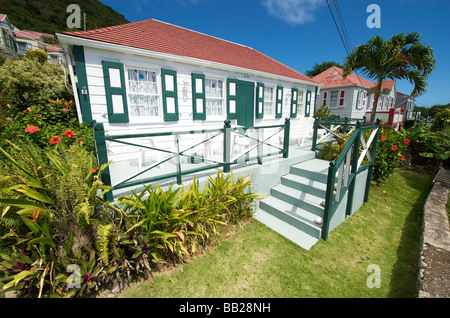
{"points": [[294, 11]]}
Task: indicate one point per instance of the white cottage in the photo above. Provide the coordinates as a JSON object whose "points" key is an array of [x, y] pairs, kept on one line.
{"points": [[167, 102], [350, 97], [155, 77]]}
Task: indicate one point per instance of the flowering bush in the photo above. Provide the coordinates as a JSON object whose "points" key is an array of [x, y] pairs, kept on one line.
{"points": [[391, 149], [45, 123]]}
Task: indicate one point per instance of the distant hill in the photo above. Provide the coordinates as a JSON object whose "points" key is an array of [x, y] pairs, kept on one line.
{"points": [[50, 16]]}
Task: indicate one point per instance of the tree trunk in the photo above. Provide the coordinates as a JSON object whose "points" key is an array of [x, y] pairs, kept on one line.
{"points": [[375, 104]]}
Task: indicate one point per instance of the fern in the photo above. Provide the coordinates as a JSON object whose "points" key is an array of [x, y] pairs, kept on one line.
{"points": [[102, 243]]}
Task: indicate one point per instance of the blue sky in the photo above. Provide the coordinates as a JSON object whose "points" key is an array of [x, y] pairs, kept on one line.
{"points": [[300, 33]]}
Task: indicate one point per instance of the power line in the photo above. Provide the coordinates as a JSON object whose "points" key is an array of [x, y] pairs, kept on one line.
{"points": [[341, 21], [337, 28]]}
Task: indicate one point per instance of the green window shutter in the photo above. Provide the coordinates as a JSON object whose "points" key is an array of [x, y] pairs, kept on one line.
{"points": [[198, 96], [308, 103], [232, 88], [116, 95], [259, 100], [279, 102], [294, 101], [170, 95], [82, 88]]}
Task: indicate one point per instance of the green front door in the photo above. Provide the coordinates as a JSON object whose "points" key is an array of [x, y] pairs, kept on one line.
{"points": [[245, 108]]}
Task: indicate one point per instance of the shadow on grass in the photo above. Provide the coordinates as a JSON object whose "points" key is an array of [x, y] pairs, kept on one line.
{"points": [[405, 271]]}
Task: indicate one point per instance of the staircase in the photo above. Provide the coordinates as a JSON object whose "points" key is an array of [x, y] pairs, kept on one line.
{"points": [[294, 208]]}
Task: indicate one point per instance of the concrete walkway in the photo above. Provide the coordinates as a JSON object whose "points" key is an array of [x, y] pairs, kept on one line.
{"points": [[434, 272]]}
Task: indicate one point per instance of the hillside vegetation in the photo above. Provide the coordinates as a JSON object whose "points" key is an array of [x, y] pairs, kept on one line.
{"points": [[50, 16]]}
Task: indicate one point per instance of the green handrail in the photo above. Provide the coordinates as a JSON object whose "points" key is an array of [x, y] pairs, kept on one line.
{"points": [[102, 155], [348, 156]]}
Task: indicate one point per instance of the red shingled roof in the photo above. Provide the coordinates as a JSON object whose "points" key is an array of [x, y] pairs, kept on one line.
{"points": [[332, 77], [162, 37]]}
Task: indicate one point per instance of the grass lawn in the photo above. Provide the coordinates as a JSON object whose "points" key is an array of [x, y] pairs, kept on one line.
{"points": [[257, 262]]}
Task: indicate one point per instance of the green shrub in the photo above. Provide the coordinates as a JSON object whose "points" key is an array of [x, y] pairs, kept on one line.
{"points": [[37, 54], [27, 82]]}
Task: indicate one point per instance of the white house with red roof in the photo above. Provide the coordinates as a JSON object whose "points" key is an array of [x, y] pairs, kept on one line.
{"points": [[146, 53], [167, 102], [32, 40], [351, 96]]}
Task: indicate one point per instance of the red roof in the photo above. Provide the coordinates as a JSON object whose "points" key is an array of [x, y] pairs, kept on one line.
{"points": [[52, 48], [332, 77], [162, 37], [26, 34], [389, 84], [2, 16]]}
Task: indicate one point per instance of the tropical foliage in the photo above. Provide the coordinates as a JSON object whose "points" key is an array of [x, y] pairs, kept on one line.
{"points": [[60, 239], [401, 57]]}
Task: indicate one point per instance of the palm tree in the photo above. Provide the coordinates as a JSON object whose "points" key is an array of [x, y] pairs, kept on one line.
{"points": [[401, 57]]}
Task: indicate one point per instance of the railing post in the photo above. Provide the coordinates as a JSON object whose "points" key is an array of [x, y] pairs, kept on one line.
{"points": [[287, 128], [260, 136], [314, 141], [176, 140], [102, 157], [328, 201], [351, 187], [227, 146], [372, 155]]}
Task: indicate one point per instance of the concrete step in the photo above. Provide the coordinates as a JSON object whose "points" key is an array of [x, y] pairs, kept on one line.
{"points": [[295, 216], [285, 229], [300, 183], [301, 199], [314, 169]]}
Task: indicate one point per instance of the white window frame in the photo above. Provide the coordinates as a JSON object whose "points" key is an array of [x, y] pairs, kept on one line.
{"points": [[224, 98], [139, 119], [330, 105], [301, 102], [271, 113]]}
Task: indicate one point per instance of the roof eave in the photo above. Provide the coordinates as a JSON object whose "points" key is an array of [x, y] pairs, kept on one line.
{"points": [[66, 40]]}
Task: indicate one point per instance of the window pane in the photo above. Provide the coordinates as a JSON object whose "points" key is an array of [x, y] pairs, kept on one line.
{"points": [[143, 93]]}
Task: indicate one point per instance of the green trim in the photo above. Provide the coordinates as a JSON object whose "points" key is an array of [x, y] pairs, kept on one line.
{"points": [[294, 102], [259, 100], [232, 98], [102, 157], [197, 96], [246, 104], [315, 102], [172, 116], [308, 103], [279, 102], [110, 91], [82, 86]]}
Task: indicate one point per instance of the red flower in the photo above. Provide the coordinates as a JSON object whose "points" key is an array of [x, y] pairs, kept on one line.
{"points": [[94, 170], [403, 158], [406, 141], [55, 140], [69, 133], [394, 148], [32, 129], [383, 138]]}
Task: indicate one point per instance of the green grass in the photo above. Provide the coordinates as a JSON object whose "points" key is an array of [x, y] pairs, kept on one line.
{"points": [[258, 262]]}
